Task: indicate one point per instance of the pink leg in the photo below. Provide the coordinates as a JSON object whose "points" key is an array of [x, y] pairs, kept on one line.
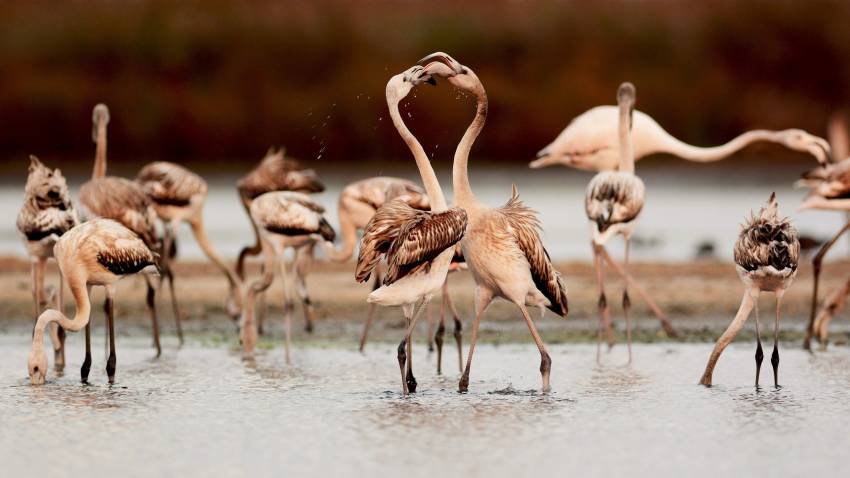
{"points": [[483, 297]]}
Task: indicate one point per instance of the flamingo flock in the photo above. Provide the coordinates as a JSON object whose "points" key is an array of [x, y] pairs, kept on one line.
{"points": [[413, 236]]}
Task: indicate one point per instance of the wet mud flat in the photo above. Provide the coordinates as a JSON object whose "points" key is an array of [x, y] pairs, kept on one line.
{"points": [[201, 409], [700, 297]]}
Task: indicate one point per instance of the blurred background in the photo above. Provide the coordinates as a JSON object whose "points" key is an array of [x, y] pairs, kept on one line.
{"points": [[212, 84]]}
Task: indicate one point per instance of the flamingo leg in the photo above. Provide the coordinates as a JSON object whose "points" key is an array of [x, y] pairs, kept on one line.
{"points": [[371, 314], [759, 351], [430, 332], [59, 354], [483, 297], [817, 261], [151, 306], [545, 360], [86, 367], [304, 258], [458, 333], [405, 348], [288, 304], [730, 333], [170, 237], [261, 308], [604, 318], [627, 303], [34, 287], [109, 309], [662, 317], [774, 357], [441, 331]]}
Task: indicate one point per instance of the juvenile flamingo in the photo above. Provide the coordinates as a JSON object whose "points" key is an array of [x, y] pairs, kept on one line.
{"points": [[97, 252], [829, 186], [123, 201], [46, 214], [284, 219], [766, 255], [417, 245], [613, 203], [276, 172], [502, 246], [178, 195], [589, 142]]}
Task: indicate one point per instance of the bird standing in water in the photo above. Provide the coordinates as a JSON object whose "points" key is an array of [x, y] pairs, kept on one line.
{"points": [[766, 256]]}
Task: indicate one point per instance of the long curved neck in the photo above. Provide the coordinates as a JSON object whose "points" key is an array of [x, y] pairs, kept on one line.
{"points": [[204, 242], [716, 153], [248, 326], [624, 130], [463, 194], [100, 153], [429, 179], [80, 320], [349, 237]]}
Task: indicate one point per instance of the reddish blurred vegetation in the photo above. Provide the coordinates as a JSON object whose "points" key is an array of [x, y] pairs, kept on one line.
{"points": [[214, 79]]}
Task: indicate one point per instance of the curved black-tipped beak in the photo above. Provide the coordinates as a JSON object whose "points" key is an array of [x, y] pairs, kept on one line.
{"points": [[445, 59]]}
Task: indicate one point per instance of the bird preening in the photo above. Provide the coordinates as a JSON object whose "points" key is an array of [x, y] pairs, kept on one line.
{"points": [[413, 235]]}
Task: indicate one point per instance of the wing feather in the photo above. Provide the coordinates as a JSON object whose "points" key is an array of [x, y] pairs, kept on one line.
{"points": [[527, 228], [379, 234], [421, 240]]}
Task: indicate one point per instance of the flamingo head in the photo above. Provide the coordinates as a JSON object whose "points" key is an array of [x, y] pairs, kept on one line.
{"points": [[801, 141], [47, 186], [401, 84], [442, 65], [99, 118]]}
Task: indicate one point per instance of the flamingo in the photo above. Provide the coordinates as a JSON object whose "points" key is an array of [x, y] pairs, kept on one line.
{"points": [[178, 195], [502, 246], [358, 202], [97, 252], [46, 214], [276, 172], [285, 219], [123, 201], [613, 203], [589, 142], [417, 245], [766, 255], [829, 188]]}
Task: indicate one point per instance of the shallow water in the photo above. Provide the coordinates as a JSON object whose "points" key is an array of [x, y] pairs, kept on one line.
{"points": [[201, 410]]}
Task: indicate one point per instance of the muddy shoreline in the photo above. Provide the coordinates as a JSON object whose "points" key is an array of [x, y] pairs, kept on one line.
{"points": [[699, 297]]}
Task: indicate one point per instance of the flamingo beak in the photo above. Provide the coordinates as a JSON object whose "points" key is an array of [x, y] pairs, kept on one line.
{"points": [[444, 58]]}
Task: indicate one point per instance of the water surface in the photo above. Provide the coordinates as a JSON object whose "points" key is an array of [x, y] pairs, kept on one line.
{"points": [[201, 410]]}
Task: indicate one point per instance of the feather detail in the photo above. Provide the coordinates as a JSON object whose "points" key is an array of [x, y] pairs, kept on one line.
{"points": [[767, 239], [527, 229], [170, 184]]}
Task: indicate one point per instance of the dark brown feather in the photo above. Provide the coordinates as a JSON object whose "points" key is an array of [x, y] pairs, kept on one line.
{"points": [[123, 201], [768, 240], [421, 240], [527, 229]]}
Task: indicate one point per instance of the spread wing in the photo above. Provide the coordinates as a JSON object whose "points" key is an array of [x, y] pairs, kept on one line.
{"points": [[421, 240], [526, 227]]}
